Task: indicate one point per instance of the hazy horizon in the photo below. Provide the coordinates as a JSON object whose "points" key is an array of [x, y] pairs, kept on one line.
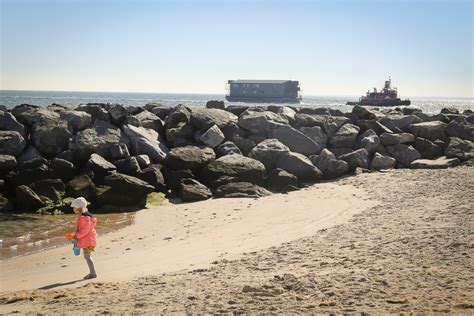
{"points": [[334, 48]]}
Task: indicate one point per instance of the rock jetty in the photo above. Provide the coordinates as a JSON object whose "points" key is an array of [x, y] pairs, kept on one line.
{"points": [[115, 156]]}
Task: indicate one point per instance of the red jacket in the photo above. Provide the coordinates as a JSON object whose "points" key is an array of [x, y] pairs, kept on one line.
{"points": [[85, 231]]}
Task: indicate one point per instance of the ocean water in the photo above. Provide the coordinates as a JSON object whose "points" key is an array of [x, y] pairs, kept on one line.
{"points": [[11, 98]]}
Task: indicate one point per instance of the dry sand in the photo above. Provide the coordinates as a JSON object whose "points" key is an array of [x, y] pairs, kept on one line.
{"points": [[399, 241]]}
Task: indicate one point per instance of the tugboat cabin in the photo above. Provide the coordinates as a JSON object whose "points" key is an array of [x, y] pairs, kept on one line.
{"points": [[282, 91]]}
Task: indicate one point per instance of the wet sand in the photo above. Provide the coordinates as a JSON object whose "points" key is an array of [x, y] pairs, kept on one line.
{"points": [[399, 241]]}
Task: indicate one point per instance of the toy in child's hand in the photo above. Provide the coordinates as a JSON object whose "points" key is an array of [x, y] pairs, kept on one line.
{"points": [[77, 251]]}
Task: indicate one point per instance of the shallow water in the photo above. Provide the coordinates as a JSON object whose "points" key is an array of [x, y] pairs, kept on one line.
{"points": [[22, 234]]}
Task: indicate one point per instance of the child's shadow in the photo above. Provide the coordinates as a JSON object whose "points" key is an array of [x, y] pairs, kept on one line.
{"points": [[55, 285]]}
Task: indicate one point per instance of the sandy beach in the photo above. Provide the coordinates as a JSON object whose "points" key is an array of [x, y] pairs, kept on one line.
{"points": [[397, 241]]}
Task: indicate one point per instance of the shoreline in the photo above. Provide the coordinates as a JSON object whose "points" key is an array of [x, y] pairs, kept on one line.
{"points": [[406, 253], [192, 235]]}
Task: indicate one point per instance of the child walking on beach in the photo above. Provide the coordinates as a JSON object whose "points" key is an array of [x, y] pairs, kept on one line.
{"points": [[85, 233]]}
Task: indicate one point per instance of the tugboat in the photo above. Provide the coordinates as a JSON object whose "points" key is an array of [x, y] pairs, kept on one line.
{"points": [[386, 97]]}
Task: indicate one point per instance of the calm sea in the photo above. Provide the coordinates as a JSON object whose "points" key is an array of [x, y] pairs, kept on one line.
{"points": [[43, 98]]}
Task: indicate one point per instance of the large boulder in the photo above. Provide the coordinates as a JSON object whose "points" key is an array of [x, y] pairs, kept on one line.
{"points": [[241, 189], [204, 118], [181, 135], [329, 124], [227, 148], [243, 168], [98, 138], [440, 163], [403, 154], [27, 200], [191, 190], [118, 114], [358, 158], [212, 137], [316, 134], [345, 136], [9, 123], [118, 151], [268, 152], [429, 130], [11, 143], [153, 176], [189, 157], [99, 166], [7, 162], [129, 166], [78, 120], [400, 122], [32, 115], [300, 166], [280, 180], [215, 104], [146, 141], [174, 177], [260, 122], [63, 169], [428, 149], [149, 120], [29, 153], [460, 148], [29, 172], [179, 114], [365, 113], [51, 137], [369, 140], [380, 162], [387, 139], [295, 140], [97, 111], [461, 130], [52, 189], [330, 167]]}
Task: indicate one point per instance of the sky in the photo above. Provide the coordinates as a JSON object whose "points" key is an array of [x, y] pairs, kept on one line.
{"points": [[332, 47]]}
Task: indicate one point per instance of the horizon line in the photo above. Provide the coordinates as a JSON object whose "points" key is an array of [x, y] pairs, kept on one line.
{"points": [[218, 93]]}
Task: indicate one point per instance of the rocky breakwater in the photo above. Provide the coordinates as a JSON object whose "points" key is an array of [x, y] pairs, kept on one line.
{"points": [[115, 156]]}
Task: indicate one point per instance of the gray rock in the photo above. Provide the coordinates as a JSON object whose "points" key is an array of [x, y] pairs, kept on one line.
{"points": [[268, 152], [7, 162], [78, 120], [27, 200], [241, 189], [394, 139], [145, 141], [204, 118], [316, 134], [376, 126], [428, 149], [280, 180], [461, 130], [338, 152], [123, 191], [99, 138], [51, 137], [368, 140], [129, 166], [118, 151], [63, 169], [380, 162], [118, 114], [132, 120], [345, 136], [180, 136], [260, 122], [189, 157], [295, 140], [79, 186], [159, 109], [174, 177], [403, 154], [149, 120], [99, 166], [144, 161], [449, 110], [429, 130], [329, 124], [244, 168], [179, 114], [153, 176], [97, 111], [6, 205], [227, 148], [52, 189], [365, 113], [29, 153], [215, 104], [9, 123], [358, 158], [212, 137], [34, 115], [236, 109], [440, 163], [400, 122], [11, 143], [331, 168], [191, 190], [300, 166], [460, 148]]}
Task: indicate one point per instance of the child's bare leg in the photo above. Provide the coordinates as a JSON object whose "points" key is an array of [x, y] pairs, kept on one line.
{"points": [[90, 263]]}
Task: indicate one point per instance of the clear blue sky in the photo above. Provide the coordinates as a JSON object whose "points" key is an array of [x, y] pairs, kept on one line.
{"points": [[331, 47]]}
